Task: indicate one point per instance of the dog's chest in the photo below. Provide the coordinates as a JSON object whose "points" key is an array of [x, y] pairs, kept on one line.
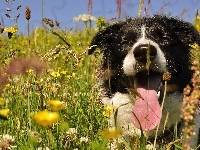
{"points": [[125, 103]]}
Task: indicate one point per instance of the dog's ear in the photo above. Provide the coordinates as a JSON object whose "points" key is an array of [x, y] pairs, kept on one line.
{"points": [[106, 38], [185, 31]]}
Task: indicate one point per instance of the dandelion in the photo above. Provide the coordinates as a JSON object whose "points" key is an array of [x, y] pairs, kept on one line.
{"points": [[46, 118], [55, 74], [108, 111], [4, 112], [56, 105], [110, 133]]}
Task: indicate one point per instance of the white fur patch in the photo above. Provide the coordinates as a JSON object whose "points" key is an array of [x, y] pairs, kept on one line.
{"points": [[158, 64]]}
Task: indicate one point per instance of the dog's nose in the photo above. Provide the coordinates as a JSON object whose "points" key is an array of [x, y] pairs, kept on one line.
{"points": [[141, 52]]}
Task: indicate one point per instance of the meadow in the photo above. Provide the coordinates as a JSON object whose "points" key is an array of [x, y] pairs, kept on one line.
{"points": [[49, 98]]}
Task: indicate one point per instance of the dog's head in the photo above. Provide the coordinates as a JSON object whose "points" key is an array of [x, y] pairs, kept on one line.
{"points": [[138, 48], [137, 52]]}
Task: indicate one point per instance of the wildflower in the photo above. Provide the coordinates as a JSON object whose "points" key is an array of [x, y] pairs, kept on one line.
{"points": [[72, 131], [55, 74], [73, 74], [7, 86], [56, 105], [54, 89], [101, 23], [56, 56], [83, 139], [1, 100], [10, 30], [46, 118], [6, 141], [108, 111], [8, 138], [68, 76], [29, 71], [110, 133], [63, 72], [84, 18], [194, 46], [4, 112], [71, 134]]}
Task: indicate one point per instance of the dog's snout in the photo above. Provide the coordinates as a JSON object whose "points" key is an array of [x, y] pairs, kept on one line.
{"points": [[141, 52]]}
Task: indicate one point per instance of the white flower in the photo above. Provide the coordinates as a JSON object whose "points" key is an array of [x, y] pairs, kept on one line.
{"points": [[92, 18], [72, 131], [8, 138], [76, 19], [83, 139], [84, 18]]}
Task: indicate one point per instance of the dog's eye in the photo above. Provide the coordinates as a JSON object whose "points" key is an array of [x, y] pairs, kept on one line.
{"points": [[130, 36]]}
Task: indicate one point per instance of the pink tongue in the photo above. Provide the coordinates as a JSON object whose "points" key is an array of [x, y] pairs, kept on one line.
{"points": [[146, 109]]}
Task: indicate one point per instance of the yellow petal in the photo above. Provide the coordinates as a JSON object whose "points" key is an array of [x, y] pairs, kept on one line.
{"points": [[46, 118], [4, 112], [110, 133], [56, 105]]}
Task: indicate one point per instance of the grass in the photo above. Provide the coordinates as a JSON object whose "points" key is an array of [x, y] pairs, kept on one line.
{"points": [[66, 74], [52, 64]]}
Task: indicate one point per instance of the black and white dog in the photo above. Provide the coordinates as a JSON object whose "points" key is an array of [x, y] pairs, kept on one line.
{"points": [[136, 53]]}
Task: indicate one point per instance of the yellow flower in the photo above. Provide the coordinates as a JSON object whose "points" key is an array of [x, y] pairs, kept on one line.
{"points": [[4, 112], [55, 74], [7, 85], [10, 29], [56, 105], [63, 72], [1, 101], [194, 46], [108, 111], [46, 118], [56, 56], [29, 71], [54, 89], [68, 76], [110, 133], [73, 74]]}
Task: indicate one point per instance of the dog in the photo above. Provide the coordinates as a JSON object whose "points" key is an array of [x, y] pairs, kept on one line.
{"points": [[136, 54]]}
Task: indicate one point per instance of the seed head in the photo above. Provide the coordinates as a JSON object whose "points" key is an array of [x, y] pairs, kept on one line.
{"points": [[28, 13]]}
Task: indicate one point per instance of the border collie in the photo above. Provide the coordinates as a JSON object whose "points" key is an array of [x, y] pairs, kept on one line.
{"points": [[136, 54]]}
